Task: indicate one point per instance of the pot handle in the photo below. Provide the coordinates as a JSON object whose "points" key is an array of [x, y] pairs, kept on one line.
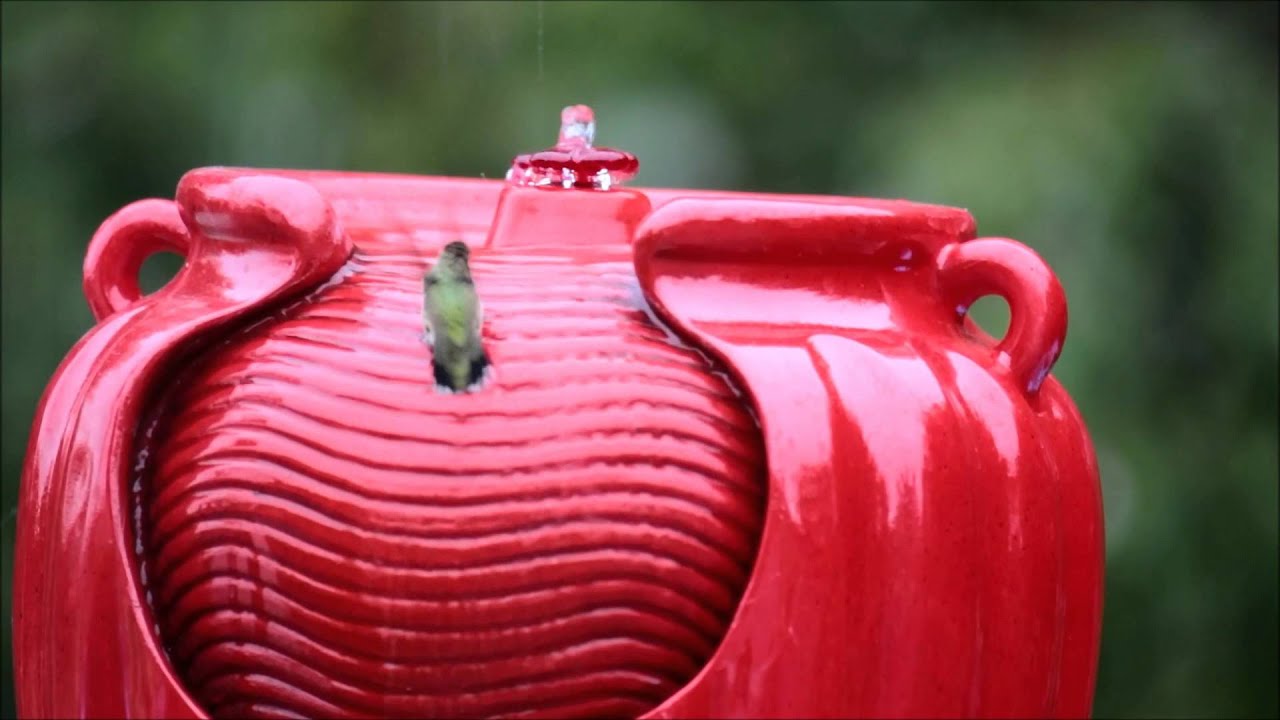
{"points": [[122, 244], [1037, 304]]}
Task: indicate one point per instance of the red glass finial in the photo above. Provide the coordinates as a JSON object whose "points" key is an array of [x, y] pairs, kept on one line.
{"points": [[575, 162]]}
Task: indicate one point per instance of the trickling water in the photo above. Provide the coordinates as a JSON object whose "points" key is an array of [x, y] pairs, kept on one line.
{"points": [[539, 40], [140, 466], [575, 161]]}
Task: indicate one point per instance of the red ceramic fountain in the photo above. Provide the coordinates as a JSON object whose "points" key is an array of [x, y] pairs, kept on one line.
{"points": [[741, 455]]}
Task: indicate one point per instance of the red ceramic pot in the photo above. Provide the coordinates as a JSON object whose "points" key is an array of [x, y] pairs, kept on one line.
{"points": [[742, 456]]}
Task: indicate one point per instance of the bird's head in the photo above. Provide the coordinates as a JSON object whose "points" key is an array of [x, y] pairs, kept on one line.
{"points": [[456, 250], [453, 259]]}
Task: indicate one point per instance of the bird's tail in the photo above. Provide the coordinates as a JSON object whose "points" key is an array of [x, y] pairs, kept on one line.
{"points": [[465, 374], [479, 364]]}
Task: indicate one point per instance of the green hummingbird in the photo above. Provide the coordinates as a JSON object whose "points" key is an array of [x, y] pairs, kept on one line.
{"points": [[451, 314]]}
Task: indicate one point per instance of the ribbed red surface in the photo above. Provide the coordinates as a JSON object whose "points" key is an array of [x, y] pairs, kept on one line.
{"points": [[328, 536]]}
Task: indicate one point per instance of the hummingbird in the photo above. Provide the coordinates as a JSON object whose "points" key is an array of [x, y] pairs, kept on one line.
{"points": [[451, 314]]}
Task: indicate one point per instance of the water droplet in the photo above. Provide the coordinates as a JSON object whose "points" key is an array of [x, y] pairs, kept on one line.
{"points": [[575, 161], [905, 256]]}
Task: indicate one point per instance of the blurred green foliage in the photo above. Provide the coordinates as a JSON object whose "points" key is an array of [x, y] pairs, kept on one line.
{"points": [[1133, 145]]}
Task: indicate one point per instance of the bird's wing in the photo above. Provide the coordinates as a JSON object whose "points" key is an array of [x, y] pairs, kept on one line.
{"points": [[429, 284], [453, 306]]}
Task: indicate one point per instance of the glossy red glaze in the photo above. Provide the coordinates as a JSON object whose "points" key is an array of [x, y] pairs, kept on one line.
{"points": [[912, 529], [572, 541], [946, 500]]}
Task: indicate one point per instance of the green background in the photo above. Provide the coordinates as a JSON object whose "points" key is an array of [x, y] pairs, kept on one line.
{"points": [[1133, 145]]}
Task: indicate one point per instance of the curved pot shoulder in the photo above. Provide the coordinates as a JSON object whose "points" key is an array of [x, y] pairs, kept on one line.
{"points": [[248, 240], [932, 543]]}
